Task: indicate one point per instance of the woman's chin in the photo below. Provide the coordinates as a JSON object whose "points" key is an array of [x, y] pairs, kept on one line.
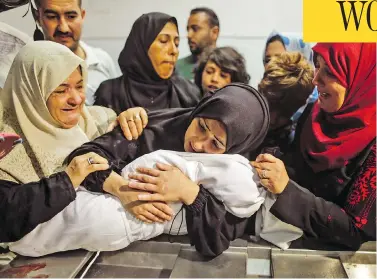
{"points": [[69, 123], [166, 74]]}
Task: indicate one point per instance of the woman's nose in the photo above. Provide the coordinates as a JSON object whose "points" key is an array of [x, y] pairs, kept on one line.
{"points": [[215, 77], [315, 78], [198, 146], [173, 49], [76, 97]]}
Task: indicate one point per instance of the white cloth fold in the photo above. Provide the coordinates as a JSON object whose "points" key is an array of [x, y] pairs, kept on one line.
{"points": [[272, 229]]}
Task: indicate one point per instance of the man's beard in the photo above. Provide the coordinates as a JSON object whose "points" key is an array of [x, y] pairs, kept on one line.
{"points": [[197, 51], [201, 49]]}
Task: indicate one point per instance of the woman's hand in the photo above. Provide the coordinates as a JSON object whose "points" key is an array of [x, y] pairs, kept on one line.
{"points": [[145, 211], [150, 212], [132, 121], [81, 166], [167, 183], [272, 173]]}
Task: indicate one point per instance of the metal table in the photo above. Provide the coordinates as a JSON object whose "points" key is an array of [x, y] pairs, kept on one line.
{"points": [[158, 258]]}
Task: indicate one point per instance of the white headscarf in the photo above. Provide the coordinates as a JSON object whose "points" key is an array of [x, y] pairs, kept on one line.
{"points": [[292, 42], [37, 70]]}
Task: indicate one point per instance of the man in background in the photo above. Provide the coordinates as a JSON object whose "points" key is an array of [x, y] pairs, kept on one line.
{"points": [[203, 29], [62, 21]]}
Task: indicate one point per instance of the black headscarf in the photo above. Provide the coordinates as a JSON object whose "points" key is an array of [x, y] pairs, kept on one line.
{"points": [[140, 85], [133, 59], [241, 108]]}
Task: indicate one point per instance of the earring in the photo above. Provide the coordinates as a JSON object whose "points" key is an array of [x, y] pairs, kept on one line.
{"points": [[38, 35]]}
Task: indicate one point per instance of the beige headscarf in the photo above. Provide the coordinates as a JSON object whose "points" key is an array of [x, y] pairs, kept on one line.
{"points": [[38, 69]]}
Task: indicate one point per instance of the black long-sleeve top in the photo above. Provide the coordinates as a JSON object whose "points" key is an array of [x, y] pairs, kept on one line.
{"points": [[339, 210], [25, 206]]}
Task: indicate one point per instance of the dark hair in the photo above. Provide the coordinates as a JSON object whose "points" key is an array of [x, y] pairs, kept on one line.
{"points": [[275, 38], [228, 60], [175, 22], [213, 20], [287, 82], [38, 3]]}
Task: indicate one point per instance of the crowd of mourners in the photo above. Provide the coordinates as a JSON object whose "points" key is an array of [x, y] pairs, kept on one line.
{"points": [[183, 146]]}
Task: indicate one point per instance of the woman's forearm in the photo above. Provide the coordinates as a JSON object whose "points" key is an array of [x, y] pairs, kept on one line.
{"points": [[189, 193], [114, 184], [317, 217], [25, 206]]}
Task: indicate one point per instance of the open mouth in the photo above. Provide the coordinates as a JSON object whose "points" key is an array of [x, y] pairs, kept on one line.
{"points": [[212, 87]]}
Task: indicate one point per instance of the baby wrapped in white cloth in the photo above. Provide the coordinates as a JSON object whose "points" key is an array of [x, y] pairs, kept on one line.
{"points": [[98, 222]]}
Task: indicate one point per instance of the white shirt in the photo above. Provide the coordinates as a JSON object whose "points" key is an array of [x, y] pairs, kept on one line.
{"points": [[100, 68]]}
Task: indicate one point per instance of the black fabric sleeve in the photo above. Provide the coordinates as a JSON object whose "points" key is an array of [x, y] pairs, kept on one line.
{"points": [[318, 218], [100, 95], [210, 226], [115, 148], [107, 95], [24, 206]]}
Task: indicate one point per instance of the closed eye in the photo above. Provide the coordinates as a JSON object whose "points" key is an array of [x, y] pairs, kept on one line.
{"points": [[202, 128], [224, 75], [51, 17], [329, 73], [217, 144]]}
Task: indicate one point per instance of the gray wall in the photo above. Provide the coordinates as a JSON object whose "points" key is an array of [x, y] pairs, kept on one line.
{"points": [[245, 24]]}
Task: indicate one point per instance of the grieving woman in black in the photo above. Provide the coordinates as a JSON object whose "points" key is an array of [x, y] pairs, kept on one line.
{"points": [[236, 114], [147, 63]]}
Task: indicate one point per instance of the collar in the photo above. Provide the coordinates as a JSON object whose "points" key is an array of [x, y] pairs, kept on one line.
{"points": [[91, 57]]}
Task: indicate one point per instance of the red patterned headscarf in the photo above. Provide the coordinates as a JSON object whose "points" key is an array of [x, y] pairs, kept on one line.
{"points": [[330, 140]]}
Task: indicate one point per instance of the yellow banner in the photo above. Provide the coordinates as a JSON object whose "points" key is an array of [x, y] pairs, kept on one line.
{"points": [[340, 21]]}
